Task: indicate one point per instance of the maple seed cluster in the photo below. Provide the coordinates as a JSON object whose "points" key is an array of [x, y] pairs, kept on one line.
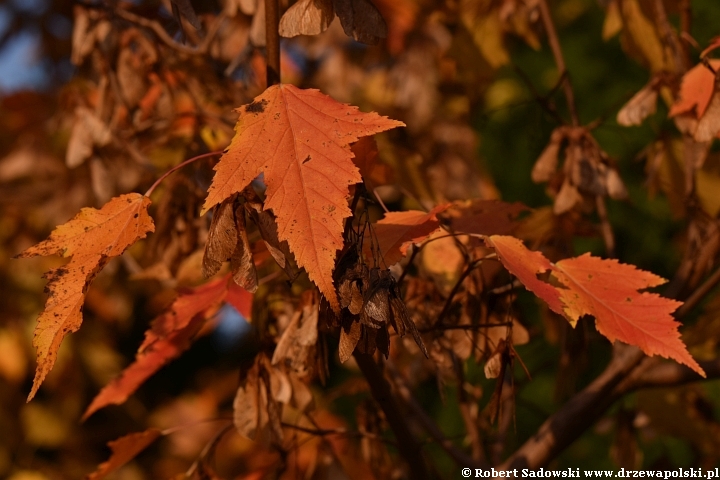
{"points": [[370, 301]]}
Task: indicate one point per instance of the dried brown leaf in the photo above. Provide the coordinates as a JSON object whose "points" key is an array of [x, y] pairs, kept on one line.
{"points": [[349, 339], [88, 132], [566, 199], [242, 264], [222, 238], [307, 17], [709, 124], [361, 20], [639, 107], [547, 162]]}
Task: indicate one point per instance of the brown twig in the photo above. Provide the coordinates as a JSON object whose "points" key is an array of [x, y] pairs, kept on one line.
{"points": [[322, 432], [654, 372], [272, 42], [671, 39], [506, 288], [543, 101], [629, 370], [448, 303], [559, 60], [408, 446], [162, 34], [699, 293], [685, 23], [578, 414], [605, 227]]}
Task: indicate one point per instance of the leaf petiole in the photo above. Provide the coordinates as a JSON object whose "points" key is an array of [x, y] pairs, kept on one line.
{"points": [[178, 167]]}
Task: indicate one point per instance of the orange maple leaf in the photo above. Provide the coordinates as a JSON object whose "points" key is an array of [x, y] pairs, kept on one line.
{"points": [[170, 335], [398, 230], [484, 217], [606, 289], [125, 449], [696, 90], [90, 239], [300, 140]]}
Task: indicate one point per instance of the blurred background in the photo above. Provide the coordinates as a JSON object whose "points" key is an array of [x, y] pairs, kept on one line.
{"points": [[474, 90]]}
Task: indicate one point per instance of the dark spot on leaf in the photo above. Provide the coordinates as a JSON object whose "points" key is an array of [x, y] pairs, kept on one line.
{"points": [[256, 107], [135, 216], [307, 159]]}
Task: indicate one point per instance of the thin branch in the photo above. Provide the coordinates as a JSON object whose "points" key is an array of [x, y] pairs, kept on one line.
{"points": [[654, 372], [543, 101], [559, 60], [322, 432], [605, 227], [629, 370], [409, 448], [699, 294], [578, 414], [506, 288], [685, 23], [272, 42], [670, 37], [162, 34], [448, 303]]}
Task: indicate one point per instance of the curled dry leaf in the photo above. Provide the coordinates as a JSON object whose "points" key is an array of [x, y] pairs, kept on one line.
{"points": [[257, 27], [88, 30], [349, 338], [125, 449], [639, 107], [307, 17], [546, 164], [361, 20], [606, 289], [259, 402], [169, 336], [228, 241], [300, 140], [708, 125], [296, 348], [90, 239], [222, 238], [566, 199], [242, 264], [250, 405], [587, 170], [642, 37], [87, 133], [485, 25]]}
